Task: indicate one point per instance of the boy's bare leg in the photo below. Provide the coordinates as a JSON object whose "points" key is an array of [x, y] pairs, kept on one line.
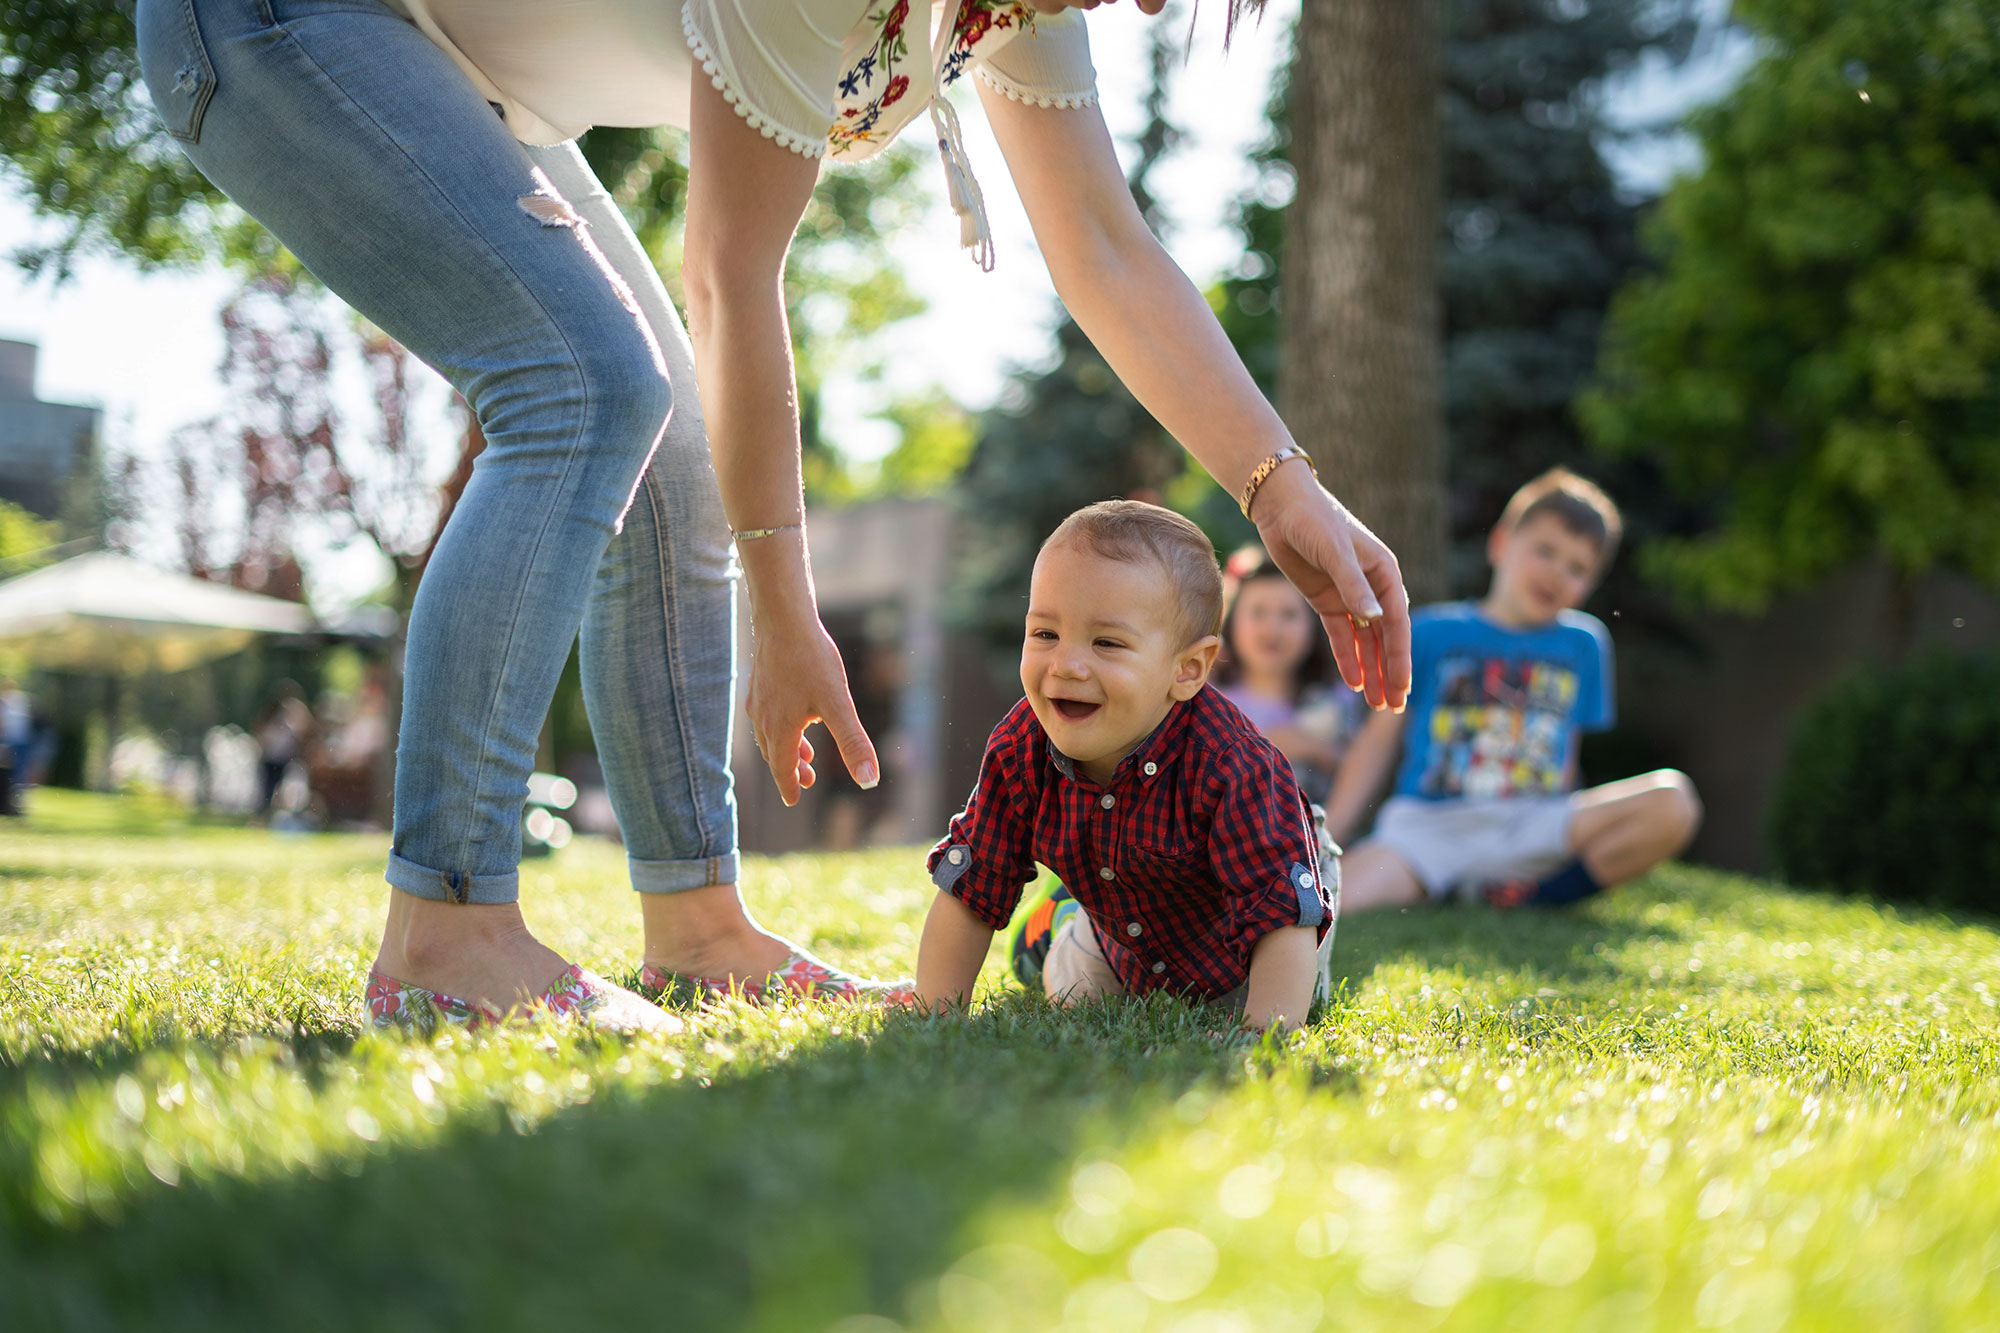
{"points": [[1623, 829], [1372, 876]]}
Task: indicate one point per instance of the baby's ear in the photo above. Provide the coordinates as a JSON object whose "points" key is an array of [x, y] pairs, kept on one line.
{"points": [[1196, 661]]}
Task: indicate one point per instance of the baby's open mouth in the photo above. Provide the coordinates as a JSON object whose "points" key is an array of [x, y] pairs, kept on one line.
{"points": [[1074, 710]]}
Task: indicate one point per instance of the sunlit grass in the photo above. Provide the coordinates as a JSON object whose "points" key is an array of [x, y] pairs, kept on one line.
{"points": [[1702, 1103]]}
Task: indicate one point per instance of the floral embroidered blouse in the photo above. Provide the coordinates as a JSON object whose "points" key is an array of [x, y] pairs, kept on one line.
{"points": [[835, 78]]}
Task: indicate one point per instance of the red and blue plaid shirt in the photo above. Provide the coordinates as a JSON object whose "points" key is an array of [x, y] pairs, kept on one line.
{"points": [[1198, 847]]}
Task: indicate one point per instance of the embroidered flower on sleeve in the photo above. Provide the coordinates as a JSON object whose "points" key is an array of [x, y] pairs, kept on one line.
{"points": [[880, 46]]}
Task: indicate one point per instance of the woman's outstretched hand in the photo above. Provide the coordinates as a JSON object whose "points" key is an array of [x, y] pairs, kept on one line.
{"points": [[1347, 574], [797, 679]]}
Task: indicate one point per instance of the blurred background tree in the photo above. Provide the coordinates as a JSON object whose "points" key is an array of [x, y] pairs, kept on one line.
{"points": [[22, 537], [78, 130], [1359, 378], [1816, 361]]}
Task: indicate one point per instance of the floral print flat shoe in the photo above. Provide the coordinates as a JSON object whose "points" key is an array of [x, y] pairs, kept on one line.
{"points": [[577, 994], [802, 975]]}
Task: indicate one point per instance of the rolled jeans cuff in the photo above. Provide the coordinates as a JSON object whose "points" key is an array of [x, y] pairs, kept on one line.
{"points": [[453, 886], [680, 876]]}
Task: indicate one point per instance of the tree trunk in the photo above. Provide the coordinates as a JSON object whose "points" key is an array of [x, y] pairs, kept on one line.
{"points": [[1359, 376]]}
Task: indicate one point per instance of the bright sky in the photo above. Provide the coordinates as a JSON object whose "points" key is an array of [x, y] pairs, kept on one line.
{"points": [[145, 346]]}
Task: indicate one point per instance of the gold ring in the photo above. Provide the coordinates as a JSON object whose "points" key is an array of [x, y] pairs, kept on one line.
{"points": [[1361, 622]]}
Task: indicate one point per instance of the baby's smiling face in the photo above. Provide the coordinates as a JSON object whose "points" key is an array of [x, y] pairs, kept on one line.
{"points": [[1106, 653]]}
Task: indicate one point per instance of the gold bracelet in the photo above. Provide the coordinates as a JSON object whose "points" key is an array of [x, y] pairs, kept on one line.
{"points": [[756, 534], [1264, 469]]}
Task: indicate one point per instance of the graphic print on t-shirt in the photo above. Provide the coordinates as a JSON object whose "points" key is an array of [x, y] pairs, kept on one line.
{"points": [[1496, 712], [1499, 728]]}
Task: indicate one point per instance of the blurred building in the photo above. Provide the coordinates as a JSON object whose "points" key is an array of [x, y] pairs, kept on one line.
{"points": [[46, 449]]}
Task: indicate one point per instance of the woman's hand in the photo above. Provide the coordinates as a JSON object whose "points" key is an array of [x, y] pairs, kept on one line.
{"points": [[796, 679], [1347, 574]]}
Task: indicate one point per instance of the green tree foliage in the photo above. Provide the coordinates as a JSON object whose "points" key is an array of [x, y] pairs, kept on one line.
{"points": [[1535, 239], [77, 129], [1817, 361], [22, 535], [937, 439]]}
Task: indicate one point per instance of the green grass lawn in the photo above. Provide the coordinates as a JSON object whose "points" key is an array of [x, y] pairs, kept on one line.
{"points": [[1705, 1103]]}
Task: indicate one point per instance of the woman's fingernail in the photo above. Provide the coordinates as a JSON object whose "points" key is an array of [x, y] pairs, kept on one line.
{"points": [[867, 776]]}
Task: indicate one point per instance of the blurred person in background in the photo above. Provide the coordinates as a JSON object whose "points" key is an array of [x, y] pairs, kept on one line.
{"points": [[1277, 668], [1486, 802], [283, 727], [17, 743]]}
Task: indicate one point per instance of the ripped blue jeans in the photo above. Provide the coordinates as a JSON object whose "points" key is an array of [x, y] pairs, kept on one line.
{"points": [[594, 509]]}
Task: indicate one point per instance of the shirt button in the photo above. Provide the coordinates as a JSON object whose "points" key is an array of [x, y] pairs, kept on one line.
{"points": [[1107, 800], [1107, 873], [1151, 768], [1305, 879], [956, 856], [1135, 929], [1159, 968]]}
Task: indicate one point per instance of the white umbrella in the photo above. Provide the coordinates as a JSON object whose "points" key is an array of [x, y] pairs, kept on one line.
{"points": [[109, 613]]}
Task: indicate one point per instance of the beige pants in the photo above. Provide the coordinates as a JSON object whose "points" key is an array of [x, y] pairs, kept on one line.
{"points": [[1075, 968]]}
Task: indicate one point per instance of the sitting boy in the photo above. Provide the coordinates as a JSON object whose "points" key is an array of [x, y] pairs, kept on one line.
{"points": [[1485, 802], [1179, 830]]}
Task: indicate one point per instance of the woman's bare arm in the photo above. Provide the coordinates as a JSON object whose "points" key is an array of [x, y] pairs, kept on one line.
{"points": [[745, 197], [1145, 316]]}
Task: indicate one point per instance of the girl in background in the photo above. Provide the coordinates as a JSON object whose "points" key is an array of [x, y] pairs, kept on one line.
{"points": [[1276, 667]]}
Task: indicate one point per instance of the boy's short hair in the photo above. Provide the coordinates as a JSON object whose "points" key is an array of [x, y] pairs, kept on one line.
{"points": [[1579, 505], [1132, 530]]}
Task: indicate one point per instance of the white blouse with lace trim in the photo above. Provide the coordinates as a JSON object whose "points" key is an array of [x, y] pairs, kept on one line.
{"points": [[821, 77]]}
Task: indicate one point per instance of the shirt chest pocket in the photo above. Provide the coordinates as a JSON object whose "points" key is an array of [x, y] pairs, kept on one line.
{"points": [[1183, 868]]}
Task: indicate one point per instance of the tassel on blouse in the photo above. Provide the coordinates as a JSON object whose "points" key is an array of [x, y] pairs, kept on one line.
{"points": [[974, 232]]}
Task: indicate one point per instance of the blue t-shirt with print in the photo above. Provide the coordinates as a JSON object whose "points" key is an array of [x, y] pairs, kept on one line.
{"points": [[1497, 712]]}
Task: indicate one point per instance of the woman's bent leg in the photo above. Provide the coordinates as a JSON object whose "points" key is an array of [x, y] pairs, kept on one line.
{"points": [[352, 137]]}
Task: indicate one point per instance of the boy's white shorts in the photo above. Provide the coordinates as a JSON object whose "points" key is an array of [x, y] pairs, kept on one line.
{"points": [[1448, 843]]}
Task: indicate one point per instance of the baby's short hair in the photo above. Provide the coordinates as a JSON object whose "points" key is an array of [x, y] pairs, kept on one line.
{"points": [[1578, 505], [1132, 530]]}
